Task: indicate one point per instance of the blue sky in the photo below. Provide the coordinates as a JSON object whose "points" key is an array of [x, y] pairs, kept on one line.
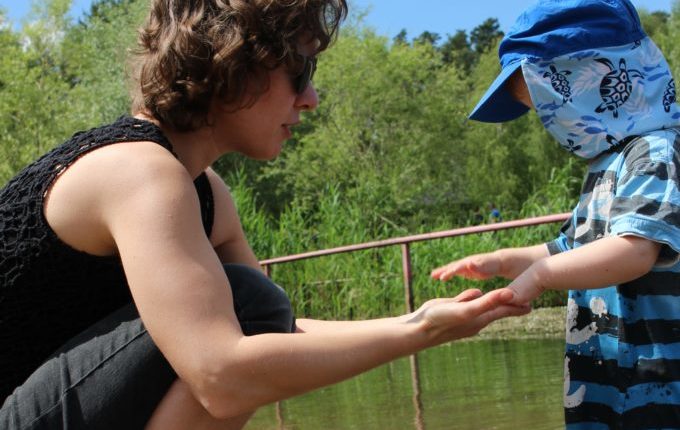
{"points": [[17, 9], [447, 16], [388, 17]]}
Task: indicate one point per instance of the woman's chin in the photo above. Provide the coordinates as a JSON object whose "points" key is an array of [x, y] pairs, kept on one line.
{"points": [[269, 153]]}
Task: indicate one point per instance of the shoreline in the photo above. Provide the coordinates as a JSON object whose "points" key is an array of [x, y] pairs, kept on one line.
{"points": [[542, 323]]}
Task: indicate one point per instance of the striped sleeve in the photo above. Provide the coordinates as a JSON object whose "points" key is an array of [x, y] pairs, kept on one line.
{"points": [[647, 197], [565, 240]]}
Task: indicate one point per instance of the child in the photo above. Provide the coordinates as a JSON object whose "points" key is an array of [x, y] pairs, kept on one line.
{"points": [[603, 89]]}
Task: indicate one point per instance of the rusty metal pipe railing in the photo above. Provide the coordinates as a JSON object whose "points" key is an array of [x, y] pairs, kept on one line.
{"points": [[420, 237], [405, 242]]}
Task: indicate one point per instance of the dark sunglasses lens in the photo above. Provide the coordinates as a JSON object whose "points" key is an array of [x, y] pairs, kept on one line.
{"points": [[306, 76]]}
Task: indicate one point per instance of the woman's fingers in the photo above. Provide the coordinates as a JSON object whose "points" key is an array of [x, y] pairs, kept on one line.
{"points": [[468, 295], [489, 301], [502, 311], [469, 312]]}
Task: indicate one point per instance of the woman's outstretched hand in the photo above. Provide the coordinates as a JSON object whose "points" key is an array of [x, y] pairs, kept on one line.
{"points": [[448, 319]]}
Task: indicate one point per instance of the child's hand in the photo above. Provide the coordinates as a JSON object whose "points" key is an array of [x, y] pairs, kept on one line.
{"points": [[478, 266], [526, 287]]}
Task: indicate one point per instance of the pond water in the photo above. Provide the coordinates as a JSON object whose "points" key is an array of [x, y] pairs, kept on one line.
{"points": [[485, 384]]}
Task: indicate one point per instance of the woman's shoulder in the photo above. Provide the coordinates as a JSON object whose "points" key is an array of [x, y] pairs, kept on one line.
{"points": [[130, 165], [127, 177]]}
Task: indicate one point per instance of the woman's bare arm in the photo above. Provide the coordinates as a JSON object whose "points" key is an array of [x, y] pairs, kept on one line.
{"points": [[184, 299]]}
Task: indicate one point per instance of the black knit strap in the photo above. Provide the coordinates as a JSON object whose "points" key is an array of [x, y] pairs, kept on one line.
{"points": [[205, 196]]}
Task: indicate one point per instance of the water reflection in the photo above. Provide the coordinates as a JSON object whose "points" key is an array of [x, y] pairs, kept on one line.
{"points": [[279, 416], [465, 385], [417, 401]]}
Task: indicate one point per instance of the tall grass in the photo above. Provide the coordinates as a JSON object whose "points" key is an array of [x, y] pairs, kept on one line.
{"points": [[369, 283]]}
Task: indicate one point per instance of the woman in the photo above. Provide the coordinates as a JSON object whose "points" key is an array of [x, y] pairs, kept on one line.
{"points": [[127, 224]]}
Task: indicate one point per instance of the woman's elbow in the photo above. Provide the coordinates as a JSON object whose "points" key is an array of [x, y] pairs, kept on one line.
{"points": [[223, 407], [219, 399], [220, 388]]}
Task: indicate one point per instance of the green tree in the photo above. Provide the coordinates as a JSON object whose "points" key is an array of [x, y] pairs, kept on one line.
{"points": [[96, 53], [60, 77], [401, 38], [485, 35], [668, 39], [427, 37], [654, 23], [458, 51], [35, 91], [384, 132]]}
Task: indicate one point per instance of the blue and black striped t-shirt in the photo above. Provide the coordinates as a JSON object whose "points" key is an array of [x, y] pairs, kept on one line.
{"points": [[622, 365]]}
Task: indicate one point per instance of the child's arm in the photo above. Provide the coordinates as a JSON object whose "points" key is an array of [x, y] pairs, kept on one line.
{"points": [[508, 263], [608, 261]]}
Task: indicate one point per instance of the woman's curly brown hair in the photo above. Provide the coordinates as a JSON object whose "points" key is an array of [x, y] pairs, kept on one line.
{"points": [[191, 51]]}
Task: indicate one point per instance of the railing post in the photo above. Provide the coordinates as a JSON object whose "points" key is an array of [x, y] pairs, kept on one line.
{"points": [[267, 270], [408, 278]]}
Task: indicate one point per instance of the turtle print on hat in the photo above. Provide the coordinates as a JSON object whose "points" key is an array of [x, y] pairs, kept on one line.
{"points": [[616, 86], [669, 96], [559, 82]]}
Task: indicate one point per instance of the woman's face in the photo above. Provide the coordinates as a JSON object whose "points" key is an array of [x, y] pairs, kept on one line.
{"points": [[258, 131]]}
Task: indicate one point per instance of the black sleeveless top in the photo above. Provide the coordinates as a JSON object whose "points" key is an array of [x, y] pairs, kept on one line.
{"points": [[49, 291]]}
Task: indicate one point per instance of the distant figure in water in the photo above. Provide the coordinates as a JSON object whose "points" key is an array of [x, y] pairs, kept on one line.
{"points": [[494, 214]]}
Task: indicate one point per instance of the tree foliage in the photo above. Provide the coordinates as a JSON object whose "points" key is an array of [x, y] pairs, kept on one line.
{"points": [[59, 77], [391, 133], [484, 36]]}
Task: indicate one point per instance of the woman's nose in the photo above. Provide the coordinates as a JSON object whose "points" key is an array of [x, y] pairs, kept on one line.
{"points": [[308, 99]]}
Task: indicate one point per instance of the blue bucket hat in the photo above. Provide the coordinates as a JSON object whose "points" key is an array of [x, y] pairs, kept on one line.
{"points": [[549, 29]]}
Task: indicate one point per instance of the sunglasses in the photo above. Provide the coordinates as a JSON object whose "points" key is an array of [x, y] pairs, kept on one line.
{"points": [[301, 81]]}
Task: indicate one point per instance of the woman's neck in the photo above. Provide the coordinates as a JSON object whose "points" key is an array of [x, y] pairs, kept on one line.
{"points": [[195, 149]]}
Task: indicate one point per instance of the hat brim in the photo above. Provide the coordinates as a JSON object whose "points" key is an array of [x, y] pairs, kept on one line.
{"points": [[497, 105]]}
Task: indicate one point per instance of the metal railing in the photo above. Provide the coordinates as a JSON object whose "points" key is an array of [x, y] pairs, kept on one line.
{"points": [[405, 243]]}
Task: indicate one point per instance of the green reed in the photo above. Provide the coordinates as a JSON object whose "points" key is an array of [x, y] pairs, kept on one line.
{"points": [[369, 283]]}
